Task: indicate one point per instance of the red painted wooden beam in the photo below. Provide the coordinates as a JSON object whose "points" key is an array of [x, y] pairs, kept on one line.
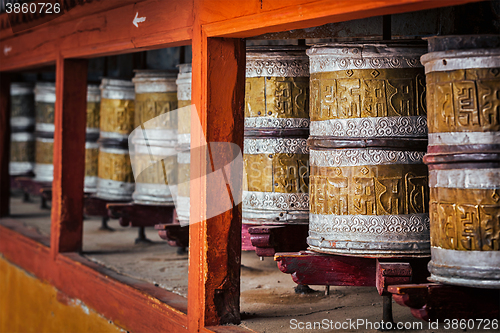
{"points": [[313, 268], [4, 145], [28, 185], [435, 301], [69, 155], [322, 269]]}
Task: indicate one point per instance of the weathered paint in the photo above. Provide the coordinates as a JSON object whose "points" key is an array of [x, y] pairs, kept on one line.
{"points": [[30, 305]]}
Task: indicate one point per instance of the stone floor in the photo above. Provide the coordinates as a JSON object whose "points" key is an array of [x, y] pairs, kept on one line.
{"points": [[268, 300]]}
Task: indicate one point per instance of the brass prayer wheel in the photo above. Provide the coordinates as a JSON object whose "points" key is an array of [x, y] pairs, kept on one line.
{"points": [[22, 153], [184, 143], [117, 109], [22, 107], [45, 98], [463, 84], [92, 134], [155, 98], [368, 185], [22, 121], [44, 167], [276, 130], [115, 180]]}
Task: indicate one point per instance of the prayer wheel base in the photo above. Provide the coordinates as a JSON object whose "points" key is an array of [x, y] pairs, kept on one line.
{"points": [[478, 269]]}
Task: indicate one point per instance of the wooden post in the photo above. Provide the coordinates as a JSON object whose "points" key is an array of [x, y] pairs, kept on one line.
{"points": [[69, 155], [215, 243], [4, 145]]}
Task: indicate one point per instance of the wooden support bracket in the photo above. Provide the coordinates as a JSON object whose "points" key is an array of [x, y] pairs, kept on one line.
{"points": [[134, 215], [435, 301], [269, 240], [174, 234]]}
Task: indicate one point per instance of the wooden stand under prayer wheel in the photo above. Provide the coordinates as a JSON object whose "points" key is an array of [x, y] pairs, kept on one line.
{"points": [[368, 220], [276, 199]]}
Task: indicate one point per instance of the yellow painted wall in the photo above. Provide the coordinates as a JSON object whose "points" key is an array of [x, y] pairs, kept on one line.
{"points": [[30, 305]]}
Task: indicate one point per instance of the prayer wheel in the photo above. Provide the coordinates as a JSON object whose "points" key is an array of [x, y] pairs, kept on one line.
{"points": [[184, 142], [22, 107], [45, 98], [22, 153], [368, 185], [92, 134], [155, 98], [276, 129], [115, 180], [22, 121], [463, 98]]}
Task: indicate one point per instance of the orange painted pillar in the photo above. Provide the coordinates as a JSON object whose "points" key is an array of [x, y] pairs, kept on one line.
{"points": [[69, 155], [218, 91]]}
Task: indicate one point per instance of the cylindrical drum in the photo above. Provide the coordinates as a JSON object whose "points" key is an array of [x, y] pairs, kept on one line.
{"points": [[45, 98], [184, 142], [276, 130], [368, 186], [92, 134], [463, 84], [115, 180], [22, 107], [22, 153], [155, 98], [22, 121]]}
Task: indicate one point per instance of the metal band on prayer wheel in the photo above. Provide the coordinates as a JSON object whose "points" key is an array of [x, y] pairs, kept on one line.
{"points": [[184, 143], [276, 130], [45, 98], [368, 186], [115, 180], [22, 107], [463, 82], [155, 98], [22, 153], [92, 134]]}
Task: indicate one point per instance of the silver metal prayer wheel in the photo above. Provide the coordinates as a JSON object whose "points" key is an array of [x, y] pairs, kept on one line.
{"points": [[155, 98], [463, 83], [184, 142], [276, 130], [45, 98], [92, 134], [115, 180], [368, 184]]}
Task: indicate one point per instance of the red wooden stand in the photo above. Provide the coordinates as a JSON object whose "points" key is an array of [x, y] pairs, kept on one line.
{"points": [[141, 216], [436, 301], [246, 237], [174, 234], [94, 206], [32, 187], [312, 268], [267, 240]]}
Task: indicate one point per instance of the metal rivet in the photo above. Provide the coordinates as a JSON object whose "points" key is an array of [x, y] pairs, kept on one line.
{"points": [[258, 113], [269, 113]]}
